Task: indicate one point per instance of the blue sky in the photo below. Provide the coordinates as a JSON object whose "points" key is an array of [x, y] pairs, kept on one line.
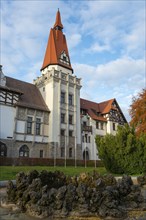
{"points": [[106, 41]]}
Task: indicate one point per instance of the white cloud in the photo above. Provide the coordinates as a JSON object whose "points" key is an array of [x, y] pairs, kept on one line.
{"points": [[98, 48], [118, 79], [111, 33], [74, 40]]}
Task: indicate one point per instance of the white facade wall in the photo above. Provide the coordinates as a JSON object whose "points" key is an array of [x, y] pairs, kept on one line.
{"points": [[110, 127], [20, 126], [51, 84], [58, 68], [91, 147], [7, 121]]}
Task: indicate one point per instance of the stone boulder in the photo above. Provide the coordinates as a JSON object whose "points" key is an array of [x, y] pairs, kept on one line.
{"points": [[51, 194]]}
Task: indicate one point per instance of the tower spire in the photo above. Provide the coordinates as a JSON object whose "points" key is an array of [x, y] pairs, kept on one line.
{"points": [[58, 25], [57, 50]]}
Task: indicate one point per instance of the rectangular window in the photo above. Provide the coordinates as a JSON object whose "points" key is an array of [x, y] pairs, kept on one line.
{"points": [[86, 138], [62, 132], [70, 119], [62, 97], [101, 125], [29, 125], [70, 133], [70, 99], [62, 152], [114, 126], [84, 123], [41, 153], [38, 126], [62, 118], [70, 152], [97, 125]]}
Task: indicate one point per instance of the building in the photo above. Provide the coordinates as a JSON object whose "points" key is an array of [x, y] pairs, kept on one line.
{"points": [[98, 118], [47, 118]]}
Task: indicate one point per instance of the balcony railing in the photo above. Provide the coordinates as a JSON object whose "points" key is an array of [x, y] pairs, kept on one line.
{"points": [[87, 128]]}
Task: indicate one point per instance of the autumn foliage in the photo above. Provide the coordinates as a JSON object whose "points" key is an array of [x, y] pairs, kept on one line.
{"points": [[138, 112]]}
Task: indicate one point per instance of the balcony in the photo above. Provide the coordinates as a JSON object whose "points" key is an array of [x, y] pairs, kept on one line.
{"points": [[86, 128]]}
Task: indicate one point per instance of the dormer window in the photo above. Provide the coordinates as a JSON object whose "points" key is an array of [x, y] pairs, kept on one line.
{"points": [[64, 58]]}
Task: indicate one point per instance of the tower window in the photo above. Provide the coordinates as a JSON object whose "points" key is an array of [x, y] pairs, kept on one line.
{"points": [[62, 97], [29, 125], [70, 119], [70, 99], [62, 132], [70, 133], [62, 118]]}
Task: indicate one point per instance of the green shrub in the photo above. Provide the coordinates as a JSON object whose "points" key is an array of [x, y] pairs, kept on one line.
{"points": [[123, 153]]}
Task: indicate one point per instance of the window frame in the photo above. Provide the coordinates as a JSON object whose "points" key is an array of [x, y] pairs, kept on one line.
{"points": [[62, 97], [62, 132], [41, 153], [70, 152], [114, 126], [63, 118], [70, 99], [70, 119], [102, 125], [70, 133], [29, 125], [38, 126], [97, 124]]}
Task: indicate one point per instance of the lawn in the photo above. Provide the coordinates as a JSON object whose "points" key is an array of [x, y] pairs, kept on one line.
{"points": [[9, 172]]}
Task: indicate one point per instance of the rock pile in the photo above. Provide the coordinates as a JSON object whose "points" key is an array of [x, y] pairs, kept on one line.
{"points": [[54, 194], [141, 180]]}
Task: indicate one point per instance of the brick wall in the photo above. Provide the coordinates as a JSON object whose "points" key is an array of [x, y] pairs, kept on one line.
{"points": [[7, 161]]}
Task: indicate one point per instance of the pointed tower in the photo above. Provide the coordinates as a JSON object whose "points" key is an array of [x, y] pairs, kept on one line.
{"points": [[57, 50], [61, 92]]}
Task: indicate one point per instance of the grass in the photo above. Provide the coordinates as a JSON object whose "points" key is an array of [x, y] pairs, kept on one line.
{"points": [[9, 172]]}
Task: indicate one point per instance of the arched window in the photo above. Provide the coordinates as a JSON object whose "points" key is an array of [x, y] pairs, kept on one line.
{"points": [[24, 151], [3, 149]]}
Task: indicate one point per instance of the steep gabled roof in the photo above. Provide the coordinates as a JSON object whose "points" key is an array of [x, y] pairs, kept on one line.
{"points": [[56, 46], [30, 95], [106, 106], [98, 110]]}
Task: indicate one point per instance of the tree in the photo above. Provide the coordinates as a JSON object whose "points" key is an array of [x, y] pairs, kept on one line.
{"points": [[123, 153], [138, 112]]}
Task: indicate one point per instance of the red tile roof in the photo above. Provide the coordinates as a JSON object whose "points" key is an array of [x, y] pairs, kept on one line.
{"points": [[58, 20], [30, 95], [93, 108], [56, 46]]}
